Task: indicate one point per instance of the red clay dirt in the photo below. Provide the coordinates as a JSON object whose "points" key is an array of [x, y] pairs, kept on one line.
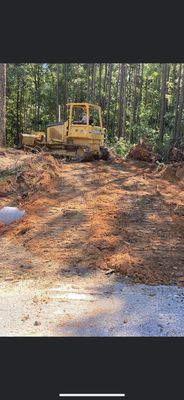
{"points": [[126, 216]]}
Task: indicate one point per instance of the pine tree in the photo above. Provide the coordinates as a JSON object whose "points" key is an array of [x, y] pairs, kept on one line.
{"points": [[163, 101], [2, 104]]}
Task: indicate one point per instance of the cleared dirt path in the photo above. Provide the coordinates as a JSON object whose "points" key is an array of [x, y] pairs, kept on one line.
{"points": [[82, 226]]}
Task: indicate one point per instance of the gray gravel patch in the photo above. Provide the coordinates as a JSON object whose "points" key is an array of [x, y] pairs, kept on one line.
{"points": [[84, 306]]}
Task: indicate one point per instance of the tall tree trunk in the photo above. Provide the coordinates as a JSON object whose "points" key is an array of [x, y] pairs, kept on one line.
{"points": [[23, 106], [37, 83], [38, 95], [109, 94], [135, 94], [163, 101], [124, 101], [94, 84], [159, 91], [65, 91], [17, 115], [167, 80], [77, 86], [134, 103], [122, 104], [140, 94], [116, 100], [159, 78], [180, 110], [57, 91], [88, 82], [2, 104], [23, 103], [174, 90], [177, 104], [17, 131], [100, 84], [146, 92], [104, 89]]}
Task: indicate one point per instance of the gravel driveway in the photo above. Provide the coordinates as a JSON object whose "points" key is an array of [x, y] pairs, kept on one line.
{"points": [[79, 306]]}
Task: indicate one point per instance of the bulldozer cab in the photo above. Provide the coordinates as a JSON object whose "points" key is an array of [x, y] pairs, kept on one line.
{"points": [[85, 116]]}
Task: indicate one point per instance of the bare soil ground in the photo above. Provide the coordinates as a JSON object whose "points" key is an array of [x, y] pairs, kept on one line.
{"points": [[81, 218], [111, 215]]}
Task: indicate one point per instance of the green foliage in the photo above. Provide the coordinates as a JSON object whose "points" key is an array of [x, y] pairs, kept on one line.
{"points": [[121, 147], [163, 149]]}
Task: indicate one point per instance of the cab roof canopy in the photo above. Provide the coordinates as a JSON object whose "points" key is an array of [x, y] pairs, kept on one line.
{"points": [[83, 105]]}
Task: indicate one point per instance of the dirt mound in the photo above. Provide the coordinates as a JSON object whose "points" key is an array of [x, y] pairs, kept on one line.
{"points": [[172, 172], [35, 174], [141, 152], [38, 172]]}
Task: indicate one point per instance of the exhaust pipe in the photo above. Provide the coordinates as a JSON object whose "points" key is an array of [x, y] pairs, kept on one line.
{"points": [[59, 113]]}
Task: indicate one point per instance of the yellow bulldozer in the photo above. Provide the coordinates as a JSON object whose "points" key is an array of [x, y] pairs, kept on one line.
{"points": [[81, 136]]}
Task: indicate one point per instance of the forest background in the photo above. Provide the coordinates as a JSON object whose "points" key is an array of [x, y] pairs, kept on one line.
{"points": [[142, 100]]}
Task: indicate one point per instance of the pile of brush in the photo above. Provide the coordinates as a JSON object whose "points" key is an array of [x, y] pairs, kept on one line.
{"points": [[177, 154], [141, 152]]}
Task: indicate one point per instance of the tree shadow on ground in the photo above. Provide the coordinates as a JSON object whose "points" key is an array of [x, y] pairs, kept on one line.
{"points": [[127, 311]]}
